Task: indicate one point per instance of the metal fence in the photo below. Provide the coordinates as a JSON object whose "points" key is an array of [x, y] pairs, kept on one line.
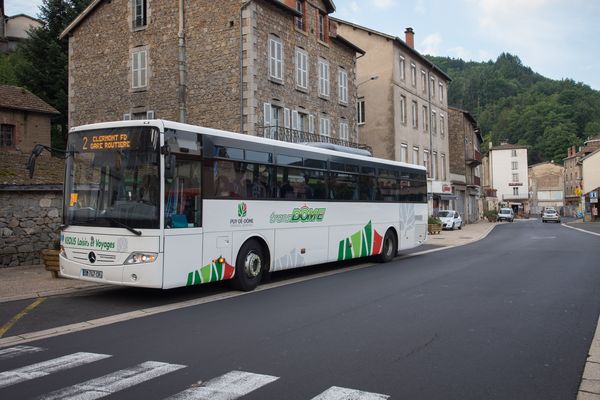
{"points": [[296, 136]]}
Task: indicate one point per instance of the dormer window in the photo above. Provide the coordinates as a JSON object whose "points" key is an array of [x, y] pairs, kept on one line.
{"points": [[322, 28], [299, 21], [140, 10]]}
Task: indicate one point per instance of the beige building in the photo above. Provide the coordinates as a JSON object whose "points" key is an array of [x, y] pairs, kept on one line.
{"points": [[263, 67], [465, 163], [590, 167], [546, 187], [402, 105], [14, 29]]}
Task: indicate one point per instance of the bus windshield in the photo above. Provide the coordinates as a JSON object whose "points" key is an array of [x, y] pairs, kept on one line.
{"points": [[112, 178]]}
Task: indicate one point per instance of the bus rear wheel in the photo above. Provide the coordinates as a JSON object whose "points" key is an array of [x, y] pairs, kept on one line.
{"points": [[390, 247], [249, 266]]}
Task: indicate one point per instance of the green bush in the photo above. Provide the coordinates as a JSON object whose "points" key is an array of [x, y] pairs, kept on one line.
{"points": [[434, 220], [491, 215]]}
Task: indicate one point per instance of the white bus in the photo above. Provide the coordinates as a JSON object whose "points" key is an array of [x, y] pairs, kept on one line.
{"points": [[162, 204]]}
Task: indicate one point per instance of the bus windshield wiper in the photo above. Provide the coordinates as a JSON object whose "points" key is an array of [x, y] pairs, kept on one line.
{"points": [[122, 225]]}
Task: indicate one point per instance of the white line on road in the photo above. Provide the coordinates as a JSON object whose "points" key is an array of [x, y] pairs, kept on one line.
{"points": [[339, 393], [17, 351], [111, 383], [230, 386], [581, 230], [45, 368]]}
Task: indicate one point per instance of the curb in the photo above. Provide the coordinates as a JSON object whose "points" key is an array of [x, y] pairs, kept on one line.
{"points": [[54, 292]]}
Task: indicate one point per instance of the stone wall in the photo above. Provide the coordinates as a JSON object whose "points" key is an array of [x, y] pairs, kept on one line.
{"points": [[29, 222]]}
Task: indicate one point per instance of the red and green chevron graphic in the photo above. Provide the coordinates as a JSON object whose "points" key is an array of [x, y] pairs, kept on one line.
{"points": [[217, 270], [366, 242]]}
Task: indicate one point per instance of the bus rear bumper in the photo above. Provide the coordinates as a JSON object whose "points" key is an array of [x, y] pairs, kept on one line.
{"points": [[148, 275]]}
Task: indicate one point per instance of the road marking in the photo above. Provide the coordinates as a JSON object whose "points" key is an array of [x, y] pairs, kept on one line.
{"points": [[45, 368], [339, 393], [543, 237], [17, 351], [230, 386], [20, 315], [581, 230], [112, 383]]}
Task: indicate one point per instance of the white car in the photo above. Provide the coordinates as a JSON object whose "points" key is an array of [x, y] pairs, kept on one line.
{"points": [[450, 219]]}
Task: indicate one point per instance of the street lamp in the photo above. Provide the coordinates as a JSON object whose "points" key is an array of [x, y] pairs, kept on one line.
{"points": [[371, 78]]}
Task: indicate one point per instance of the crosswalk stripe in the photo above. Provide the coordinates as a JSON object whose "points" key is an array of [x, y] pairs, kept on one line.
{"points": [[17, 351], [338, 393], [45, 368], [111, 383], [230, 386]]}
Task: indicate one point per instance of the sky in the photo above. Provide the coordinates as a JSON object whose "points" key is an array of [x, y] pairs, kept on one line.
{"points": [[556, 38]]}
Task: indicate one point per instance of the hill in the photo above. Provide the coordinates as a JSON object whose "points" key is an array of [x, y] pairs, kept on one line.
{"points": [[512, 102]]}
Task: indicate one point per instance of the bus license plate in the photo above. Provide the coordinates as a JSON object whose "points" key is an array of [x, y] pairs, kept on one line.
{"points": [[90, 273]]}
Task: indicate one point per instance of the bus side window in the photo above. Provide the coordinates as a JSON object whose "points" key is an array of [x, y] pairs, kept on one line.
{"points": [[183, 197]]}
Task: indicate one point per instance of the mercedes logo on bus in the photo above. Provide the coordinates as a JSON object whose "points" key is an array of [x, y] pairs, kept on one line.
{"points": [[92, 257]]}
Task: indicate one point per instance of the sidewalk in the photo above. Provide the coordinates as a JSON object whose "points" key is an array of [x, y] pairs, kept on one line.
{"points": [[31, 281], [27, 282]]}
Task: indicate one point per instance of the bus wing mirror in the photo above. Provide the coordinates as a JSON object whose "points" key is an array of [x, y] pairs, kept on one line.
{"points": [[170, 162], [35, 152]]}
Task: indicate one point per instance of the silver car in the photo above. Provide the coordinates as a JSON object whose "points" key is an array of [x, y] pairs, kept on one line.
{"points": [[550, 215]]}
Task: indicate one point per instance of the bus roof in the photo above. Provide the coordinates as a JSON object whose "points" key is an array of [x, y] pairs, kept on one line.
{"points": [[238, 136]]}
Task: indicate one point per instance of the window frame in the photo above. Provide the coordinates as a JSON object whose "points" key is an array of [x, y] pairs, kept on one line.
{"points": [[140, 22], [302, 68], [7, 130], [324, 82], [139, 74], [275, 58]]}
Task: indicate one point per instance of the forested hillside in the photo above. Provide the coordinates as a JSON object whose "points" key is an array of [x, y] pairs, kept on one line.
{"points": [[511, 102]]}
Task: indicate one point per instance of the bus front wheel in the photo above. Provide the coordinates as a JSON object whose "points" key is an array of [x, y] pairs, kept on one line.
{"points": [[249, 266], [390, 247]]}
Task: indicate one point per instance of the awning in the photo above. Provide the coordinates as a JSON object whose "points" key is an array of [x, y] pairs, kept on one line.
{"points": [[444, 196]]}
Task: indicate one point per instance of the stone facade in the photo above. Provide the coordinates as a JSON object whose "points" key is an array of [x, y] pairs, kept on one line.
{"points": [[198, 79], [465, 163], [391, 127], [29, 222]]}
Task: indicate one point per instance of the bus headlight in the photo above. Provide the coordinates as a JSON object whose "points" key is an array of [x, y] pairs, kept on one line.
{"points": [[140, 258]]}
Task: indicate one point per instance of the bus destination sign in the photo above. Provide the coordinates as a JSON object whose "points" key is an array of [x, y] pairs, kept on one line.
{"points": [[115, 141]]}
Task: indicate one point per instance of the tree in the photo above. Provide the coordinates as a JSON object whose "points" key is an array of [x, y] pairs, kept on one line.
{"points": [[44, 70]]}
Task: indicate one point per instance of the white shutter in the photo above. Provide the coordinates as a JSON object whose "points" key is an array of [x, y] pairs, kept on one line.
{"points": [[149, 114], [126, 117], [294, 120], [286, 118], [311, 123]]}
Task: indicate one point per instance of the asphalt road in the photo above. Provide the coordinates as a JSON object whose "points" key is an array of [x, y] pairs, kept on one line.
{"points": [[509, 317]]}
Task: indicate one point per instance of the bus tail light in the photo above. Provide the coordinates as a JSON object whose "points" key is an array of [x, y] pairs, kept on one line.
{"points": [[140, 258]]}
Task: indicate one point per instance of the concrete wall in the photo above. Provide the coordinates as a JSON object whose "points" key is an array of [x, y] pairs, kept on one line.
{"points": [[29, 221]]}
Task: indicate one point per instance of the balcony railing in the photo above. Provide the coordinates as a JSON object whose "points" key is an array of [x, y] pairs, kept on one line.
{"points": [[296, 136], [474, 158], [515, 196], [473, 180]]}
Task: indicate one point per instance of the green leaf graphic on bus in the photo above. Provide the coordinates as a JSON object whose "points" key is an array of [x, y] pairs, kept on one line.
{"points": [[242, 209], [366, 242], [219, 269]]}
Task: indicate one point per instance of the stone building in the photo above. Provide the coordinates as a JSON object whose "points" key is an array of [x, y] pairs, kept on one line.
{"points": [[546, 186], [402, 105], [465, 159], [508, 175], [262, 67], [574, 174], [25, 120]]}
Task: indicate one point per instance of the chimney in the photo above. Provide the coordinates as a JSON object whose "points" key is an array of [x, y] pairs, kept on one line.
{"points": [[409, 35]]}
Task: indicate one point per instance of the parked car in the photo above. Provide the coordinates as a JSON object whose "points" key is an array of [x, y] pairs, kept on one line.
{"points": [[550, 214], [450, 219], [506, 214]]}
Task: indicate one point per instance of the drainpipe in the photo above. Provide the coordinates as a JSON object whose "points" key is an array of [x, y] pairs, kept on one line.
{"points": [[181, 60], [244, 5], [429, 161]]}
